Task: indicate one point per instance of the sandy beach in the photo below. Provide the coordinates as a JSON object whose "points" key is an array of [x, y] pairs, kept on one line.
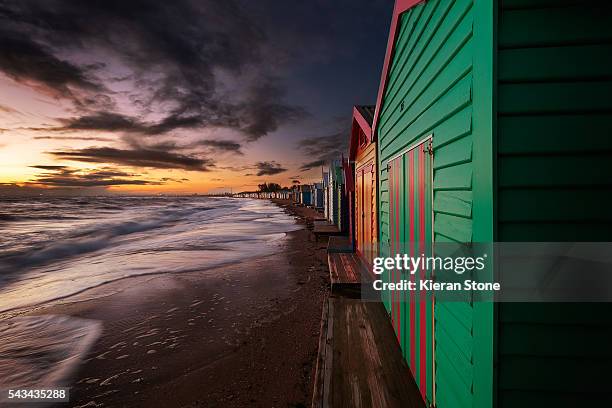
{"points": [[244, 334]]}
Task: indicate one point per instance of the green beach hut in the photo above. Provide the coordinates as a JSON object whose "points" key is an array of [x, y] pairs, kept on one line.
{"points": [[494, 123]]}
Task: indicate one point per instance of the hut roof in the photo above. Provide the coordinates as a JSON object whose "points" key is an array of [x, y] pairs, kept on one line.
{"points": [[361, 128]]}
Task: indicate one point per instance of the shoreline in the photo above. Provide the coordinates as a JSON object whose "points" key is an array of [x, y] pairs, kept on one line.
{"points": [[242, 334]]}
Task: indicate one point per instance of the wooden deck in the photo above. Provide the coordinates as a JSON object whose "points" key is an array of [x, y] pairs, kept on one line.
{"points": [[345, 272], [360, 363], [339, 243]]}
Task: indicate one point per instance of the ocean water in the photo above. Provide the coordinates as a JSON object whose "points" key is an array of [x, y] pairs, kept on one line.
{"points": [[52, 248]]}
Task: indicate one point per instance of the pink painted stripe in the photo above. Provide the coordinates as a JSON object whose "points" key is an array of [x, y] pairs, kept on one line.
{"points": [[398, 163], [422, 299], [392, 233]]}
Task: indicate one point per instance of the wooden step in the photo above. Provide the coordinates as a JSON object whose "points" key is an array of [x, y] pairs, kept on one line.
{"points": [[345, 272], [360, 363], [339, 243], [325, 228]]}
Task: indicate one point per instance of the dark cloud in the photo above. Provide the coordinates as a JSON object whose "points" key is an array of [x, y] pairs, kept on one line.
{"points": [[221, 145], [136, 158], [323, 149], [62, 176], [27, 61], [85, 138], [313, 164], [268, 168], [175, 180], [181, 56], [263, 114], [104, 121], [45, 167]]}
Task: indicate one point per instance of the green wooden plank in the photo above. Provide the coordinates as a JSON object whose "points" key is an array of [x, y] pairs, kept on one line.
{"points": [[555, 63], [451, 389], [559, 399], [549, 98], [411, 44], [458, 152], [454, 227], [553, 374], [555, 133], [463, 312], [527, 4], [555, 340], [408, 23], [453, 363], [458, 344], [572, 314], [561, 170], [454, 178], [454, 127], [453, 202], [412, 69], [550, 26], [483, 133], [555, 231], [456, 63], [555, 205], [457, 98]]}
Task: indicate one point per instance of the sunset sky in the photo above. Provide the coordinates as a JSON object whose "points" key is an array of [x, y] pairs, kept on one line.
{"points": [[181, 96]]}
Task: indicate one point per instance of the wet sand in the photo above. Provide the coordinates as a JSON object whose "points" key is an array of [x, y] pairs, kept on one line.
{"points": [[241, 335]]}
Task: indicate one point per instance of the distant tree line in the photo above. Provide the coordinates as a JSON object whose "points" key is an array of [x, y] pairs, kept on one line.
{"points": [[270, 187]]}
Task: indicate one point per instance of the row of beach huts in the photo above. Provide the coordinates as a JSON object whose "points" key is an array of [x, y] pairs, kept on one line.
{"points": [[493, 123]]}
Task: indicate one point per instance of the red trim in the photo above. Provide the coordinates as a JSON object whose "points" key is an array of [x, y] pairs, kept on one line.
{"points": [[412, 250], [392, 233], [400, 7], [359, 124], [422, 303]]}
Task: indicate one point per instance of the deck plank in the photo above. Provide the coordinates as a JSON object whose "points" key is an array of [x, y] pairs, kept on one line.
{"points": [[362, 362], [345, 272]]}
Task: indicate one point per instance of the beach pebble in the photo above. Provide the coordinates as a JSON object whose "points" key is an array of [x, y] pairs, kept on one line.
{"points": [[151, 351]]}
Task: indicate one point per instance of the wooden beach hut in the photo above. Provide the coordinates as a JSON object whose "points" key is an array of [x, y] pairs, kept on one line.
{"points": [[318, 194], [326, 200], [338, 198], [362, 152], [334, 174], [493, 122], [304, 194]]}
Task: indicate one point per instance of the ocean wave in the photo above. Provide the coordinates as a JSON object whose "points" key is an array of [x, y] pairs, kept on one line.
{"points": [[53, 260], [87, 239], [43, 351]]}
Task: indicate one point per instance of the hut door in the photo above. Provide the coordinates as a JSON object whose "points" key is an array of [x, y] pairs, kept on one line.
{"points": [[410, 230], [367, 211]]}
